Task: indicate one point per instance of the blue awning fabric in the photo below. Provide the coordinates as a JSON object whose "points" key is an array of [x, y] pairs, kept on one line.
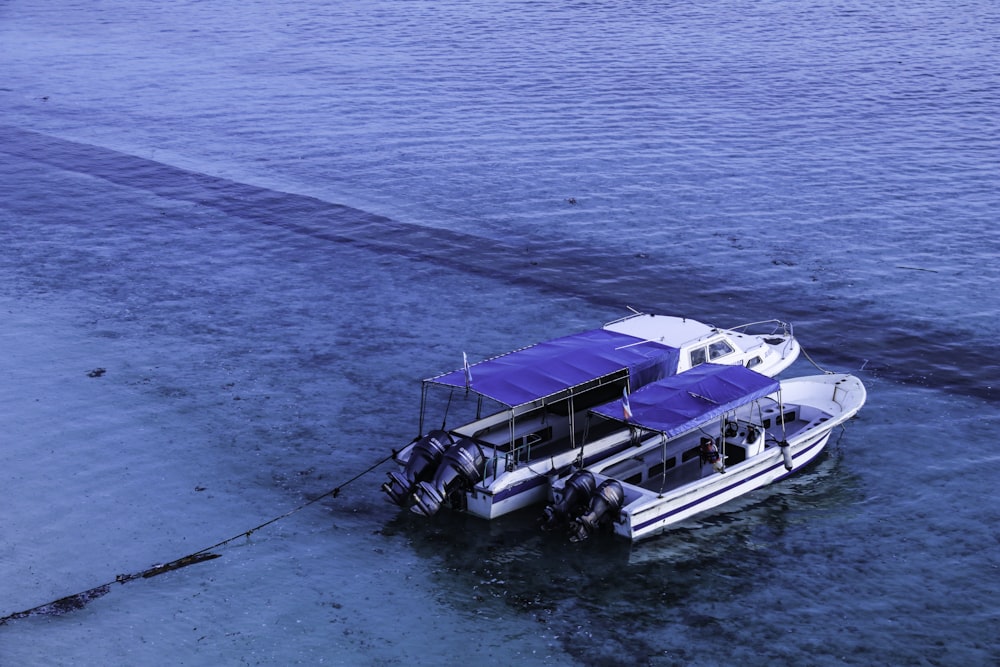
{"points": [[552, 367], [677, 404]]}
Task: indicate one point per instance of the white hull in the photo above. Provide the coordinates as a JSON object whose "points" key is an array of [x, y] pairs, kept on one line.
{"points": [[531, 449], [529, 484], [645, 519], [810, 409]]}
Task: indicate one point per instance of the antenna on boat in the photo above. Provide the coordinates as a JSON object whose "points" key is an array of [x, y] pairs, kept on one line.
{"points": [[639, 342]]}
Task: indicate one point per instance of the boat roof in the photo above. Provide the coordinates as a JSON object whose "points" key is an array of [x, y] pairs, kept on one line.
{"points": [[552, 369], [682, 402], [666, 329]]}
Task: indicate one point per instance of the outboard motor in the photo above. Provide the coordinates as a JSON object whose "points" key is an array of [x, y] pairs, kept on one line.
{"points": [[604, 505], [424, 459], [461, 467], [575, 497]]}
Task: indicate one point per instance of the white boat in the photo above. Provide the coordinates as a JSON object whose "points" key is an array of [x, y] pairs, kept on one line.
{"points": [[704, 437], [524, 416]]}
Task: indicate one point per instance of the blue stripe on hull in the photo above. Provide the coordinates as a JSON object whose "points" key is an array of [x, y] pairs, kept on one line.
{"points": [[819, 443], [517, 489], [532, 482]]}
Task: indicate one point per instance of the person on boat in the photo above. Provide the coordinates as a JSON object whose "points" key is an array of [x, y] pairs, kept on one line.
{"points": [[710, 454]]}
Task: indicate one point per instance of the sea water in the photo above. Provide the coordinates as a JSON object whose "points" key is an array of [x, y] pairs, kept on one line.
{"points": [[235, 236]]}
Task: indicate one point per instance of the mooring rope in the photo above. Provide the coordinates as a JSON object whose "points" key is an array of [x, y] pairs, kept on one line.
{"points": [[823, 370], [806, 354], [78, 600]]}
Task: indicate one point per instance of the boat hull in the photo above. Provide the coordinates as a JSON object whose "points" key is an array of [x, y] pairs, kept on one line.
{"points": [[534, 436], [530, 484], [645, 521], [487, 503], [673, 478]]}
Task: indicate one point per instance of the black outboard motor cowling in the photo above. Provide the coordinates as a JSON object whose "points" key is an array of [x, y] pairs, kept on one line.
{"points": [[461, 467], [604, 505], [423, 462], [575, 499]]}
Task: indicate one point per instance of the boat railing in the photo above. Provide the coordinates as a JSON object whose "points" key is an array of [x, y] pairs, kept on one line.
{"points": [[634, 313], [509, 457], [521, 453], [778, 325]]}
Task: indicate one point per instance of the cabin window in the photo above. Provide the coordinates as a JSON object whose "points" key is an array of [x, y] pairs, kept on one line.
{"points": [[698, 357], [692, 453], [756, 361], [719, 348], [659, 468], [787, 418]]}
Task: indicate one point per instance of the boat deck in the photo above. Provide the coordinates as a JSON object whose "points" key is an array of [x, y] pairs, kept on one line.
{"points": [[654, 470]]}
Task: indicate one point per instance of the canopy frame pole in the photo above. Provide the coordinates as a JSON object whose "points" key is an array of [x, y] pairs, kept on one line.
{"points": [[423, 409], [447, 408], [722, 437], [513, 453], [663, 457], [572, 425], [781, 411]]}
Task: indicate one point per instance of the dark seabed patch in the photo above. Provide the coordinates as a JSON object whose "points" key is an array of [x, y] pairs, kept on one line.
{"points": [[892, 345]]}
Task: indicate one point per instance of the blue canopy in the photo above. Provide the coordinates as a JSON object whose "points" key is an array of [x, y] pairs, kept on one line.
{"points": [[555, 366], [680, 403]]}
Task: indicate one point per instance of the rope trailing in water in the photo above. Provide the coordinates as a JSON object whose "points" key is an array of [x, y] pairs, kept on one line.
{"points": [[79, 600], [806, 354], [823, 370]]}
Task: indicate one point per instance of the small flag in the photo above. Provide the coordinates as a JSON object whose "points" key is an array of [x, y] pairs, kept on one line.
{"points": [[468, 371], [626, 408]]}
